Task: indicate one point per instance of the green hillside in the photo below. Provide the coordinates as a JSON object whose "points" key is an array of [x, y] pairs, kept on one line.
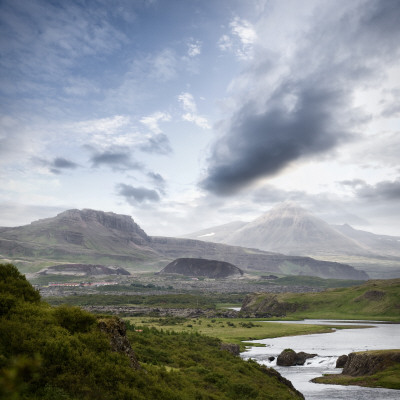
{"points": [[65, 353], [377, 299]]}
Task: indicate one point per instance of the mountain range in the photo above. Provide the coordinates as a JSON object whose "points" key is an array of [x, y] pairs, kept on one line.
{"points": [[292, 230], [105, 238]]}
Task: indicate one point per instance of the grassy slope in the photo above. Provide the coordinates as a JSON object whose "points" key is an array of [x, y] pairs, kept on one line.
{"points": [[358, 302], [59, 353], [388, 378]]}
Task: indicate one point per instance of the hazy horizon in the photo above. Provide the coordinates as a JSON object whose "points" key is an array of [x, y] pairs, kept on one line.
{"points": [[192, 114]]}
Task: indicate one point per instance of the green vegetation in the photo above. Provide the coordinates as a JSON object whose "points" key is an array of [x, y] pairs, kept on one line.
{"points": [[211, 301], [232, 330], [378, 299], [164, 301], [312, 281], [388, 377], [60, 353]]}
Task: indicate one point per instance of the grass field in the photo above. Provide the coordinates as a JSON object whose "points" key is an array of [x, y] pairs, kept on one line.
{"points": [[376, 300], [232, 330]]}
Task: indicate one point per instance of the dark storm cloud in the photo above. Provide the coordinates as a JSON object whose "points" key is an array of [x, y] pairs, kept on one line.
{"points": [[262, 144], [310, 112], [157, 144], [63, 163], [57, 165], [116, 160], [134, 195], [385, 190]]}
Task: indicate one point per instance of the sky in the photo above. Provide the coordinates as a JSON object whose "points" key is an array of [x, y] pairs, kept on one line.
{"points": [[187, 114]]}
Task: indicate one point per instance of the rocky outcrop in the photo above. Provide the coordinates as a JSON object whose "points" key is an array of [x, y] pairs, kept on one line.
{"points": [[115, 329], [266, 305], [371, 295], [231, 348], [289, 358], [199, 267], [284, 381], [368, 363], [341, 361]]}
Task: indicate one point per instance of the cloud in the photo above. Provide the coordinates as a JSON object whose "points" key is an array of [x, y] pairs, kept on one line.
{"points": [[381, 191], [194, 48], [157, 144], [56, 166], [162, 66], [189, 105], [301, 107], [152, 121], [262, 144], [44, 39], [241, 39], [134, 195], [116, 160]]}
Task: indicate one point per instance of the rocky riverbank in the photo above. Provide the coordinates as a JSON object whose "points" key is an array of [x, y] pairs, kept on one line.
{"points": [[380, 368]]}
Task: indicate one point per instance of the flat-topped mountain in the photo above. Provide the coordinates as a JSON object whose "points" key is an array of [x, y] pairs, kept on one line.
{"points": [[79, 236], [104, 238], [199, 267]]}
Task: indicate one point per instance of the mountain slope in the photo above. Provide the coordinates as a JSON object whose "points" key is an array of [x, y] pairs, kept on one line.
{"points": [[216, 234], [380, 244], [290, 229], [85, 236], [97, 237]]}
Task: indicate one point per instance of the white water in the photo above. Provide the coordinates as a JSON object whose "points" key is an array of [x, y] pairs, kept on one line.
{"points": [[329, 346]]}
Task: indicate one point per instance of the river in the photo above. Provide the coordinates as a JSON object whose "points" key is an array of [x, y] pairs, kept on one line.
{"points": [[329, 346]]}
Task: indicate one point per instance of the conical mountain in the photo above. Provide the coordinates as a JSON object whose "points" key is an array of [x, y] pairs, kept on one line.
{"points": [[290, 229]]}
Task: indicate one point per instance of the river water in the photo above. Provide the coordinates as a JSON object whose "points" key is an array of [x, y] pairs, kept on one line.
{"points": [[329, 346]]}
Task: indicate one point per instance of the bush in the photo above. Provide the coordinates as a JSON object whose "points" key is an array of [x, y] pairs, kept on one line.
{"points": [[13, 283], [74, 319]]}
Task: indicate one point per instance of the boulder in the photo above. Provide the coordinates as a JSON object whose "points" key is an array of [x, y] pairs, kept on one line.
{"points": [[289, 358]]}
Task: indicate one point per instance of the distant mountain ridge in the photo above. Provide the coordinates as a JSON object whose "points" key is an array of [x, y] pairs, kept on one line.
{"points": [[105, 238], [291, 230]]}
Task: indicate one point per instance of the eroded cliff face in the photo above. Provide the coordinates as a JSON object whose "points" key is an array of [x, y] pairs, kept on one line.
{"points": [[115, 329], [369, 363]]}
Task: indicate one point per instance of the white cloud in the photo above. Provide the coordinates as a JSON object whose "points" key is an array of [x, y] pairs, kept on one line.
{"points": [[241, 39], [189, 105], [194, 48], [105, 125], [187, 102], [152, 121]]}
